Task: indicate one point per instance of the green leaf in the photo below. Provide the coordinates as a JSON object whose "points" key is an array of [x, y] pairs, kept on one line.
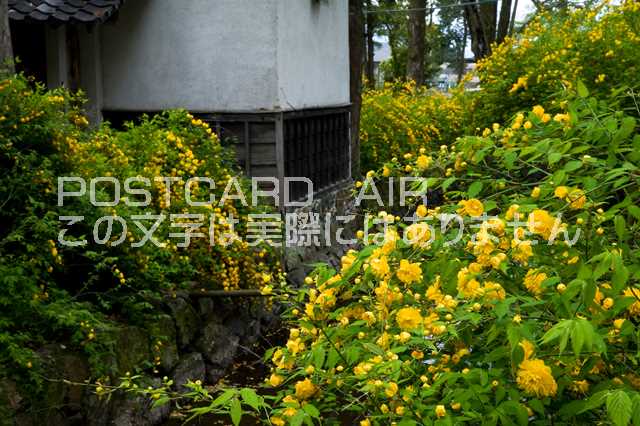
{"points": [[447, 183], [474, 189], [583, 92], [594, 401], [235, 411], [250, 398], [621, 227], [634, 211], [311, 410], [554, 157], [572, 166], [318, 356], [619, 407], [224, 398]]}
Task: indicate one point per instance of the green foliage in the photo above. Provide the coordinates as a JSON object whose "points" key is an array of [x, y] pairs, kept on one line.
{"points": [[70, 294]]}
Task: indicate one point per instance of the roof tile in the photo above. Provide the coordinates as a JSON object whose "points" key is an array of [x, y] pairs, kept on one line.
{"points": [[61, 11]]}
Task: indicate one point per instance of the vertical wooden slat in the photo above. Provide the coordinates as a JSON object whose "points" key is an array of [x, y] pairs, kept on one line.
{"points": [[280, 157], [247, 148]]}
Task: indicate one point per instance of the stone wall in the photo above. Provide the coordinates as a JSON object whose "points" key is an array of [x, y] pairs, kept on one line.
{"points": [[201, 338]]}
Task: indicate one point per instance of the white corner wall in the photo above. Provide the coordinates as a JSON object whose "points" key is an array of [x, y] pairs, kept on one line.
{"points": [[313, 53], [226, 55]]}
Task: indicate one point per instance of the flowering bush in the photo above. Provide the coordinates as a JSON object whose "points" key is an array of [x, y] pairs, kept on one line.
{"points": [[511, 324], [401, 117], [596, 45], [50, 290]]}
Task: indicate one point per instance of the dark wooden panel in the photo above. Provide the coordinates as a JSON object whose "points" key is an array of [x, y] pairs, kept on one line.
{"points": [[263, 154]]}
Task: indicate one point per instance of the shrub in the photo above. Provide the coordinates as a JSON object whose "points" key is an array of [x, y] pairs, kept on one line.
{"points": [[55, 292], [402, 118], [493, 328], [596, 45]]}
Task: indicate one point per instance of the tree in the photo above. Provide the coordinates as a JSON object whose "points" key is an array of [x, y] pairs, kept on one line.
{"points": [[6, 51], [484, 28], [416, 42], [356, 56], [370, 45]]}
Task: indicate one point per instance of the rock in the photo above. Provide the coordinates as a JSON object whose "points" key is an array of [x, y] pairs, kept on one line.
{"points": [[132, 348], [218, 344], [162, 328], [186, 321], [191, 367]]}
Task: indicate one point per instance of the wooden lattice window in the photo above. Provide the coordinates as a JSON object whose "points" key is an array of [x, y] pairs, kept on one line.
{"points": [[316, 146]]}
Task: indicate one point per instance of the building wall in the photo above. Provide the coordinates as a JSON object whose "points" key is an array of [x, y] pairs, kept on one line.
{"points": [[201, 55], [313, 53], [226, 55]]}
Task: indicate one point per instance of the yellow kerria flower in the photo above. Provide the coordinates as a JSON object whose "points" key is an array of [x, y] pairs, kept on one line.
{"points": [[541, 223], [277, 421], [527, 348], [305, 389], [421, 211], [472, 207], [634, 309], [535, 378], [409, 318], [418, 234], [533, 281], [561, 192], [391, 390], [423, 162], [441, 411], [409, 272], [275, 380], [380, 266], [576, 199], [538, 111], [535, 193]]}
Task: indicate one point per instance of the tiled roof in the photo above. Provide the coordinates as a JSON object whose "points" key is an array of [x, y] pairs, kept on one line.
{"points": [[63, 11]]}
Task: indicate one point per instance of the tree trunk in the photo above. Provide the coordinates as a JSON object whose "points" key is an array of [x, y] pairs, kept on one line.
{"points": [[356, 56], [416, 47], [505, 17], [6, 51], [462, 64], [369, 71]]}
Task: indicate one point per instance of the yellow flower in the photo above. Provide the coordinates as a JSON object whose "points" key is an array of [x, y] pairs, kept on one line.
{"points": [[409, 318], [561, 118], [409, 272], [576, 199], [418, 234], [538, 111], [305, 389], [535, 378], [561, 192], [634, 309], [617, 324], [380, 266], [528, 124], [421, 211], [277, 421], [275, 380], [472, 207], [580, 386], [365, 422], [441, 411], [423, 162], [513, 209], [533, 281], [391, 390], [386, 171], [541, 223], [528, 348], [535, 193]]}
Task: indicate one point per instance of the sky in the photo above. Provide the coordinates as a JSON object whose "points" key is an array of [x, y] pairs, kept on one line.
{"points": [[525, 7]]}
